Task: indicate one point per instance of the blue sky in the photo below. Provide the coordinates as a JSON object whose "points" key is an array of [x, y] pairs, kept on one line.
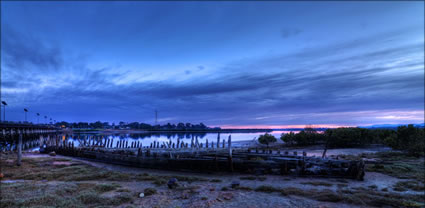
{"points": [[235, 64]]}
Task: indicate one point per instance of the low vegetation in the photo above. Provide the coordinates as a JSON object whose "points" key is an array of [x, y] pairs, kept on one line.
{"points": [[267, 139], [397, 164], [361, 196], [252, 178], [405, 138], [317, 183]]}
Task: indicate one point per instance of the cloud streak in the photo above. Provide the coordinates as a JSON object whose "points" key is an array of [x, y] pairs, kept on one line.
{"points": [[356, 82]]}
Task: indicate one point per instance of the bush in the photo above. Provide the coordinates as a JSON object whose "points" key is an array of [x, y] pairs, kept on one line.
{"points": [[308, 136], [408, 138], [149, 191], [267, 139]]}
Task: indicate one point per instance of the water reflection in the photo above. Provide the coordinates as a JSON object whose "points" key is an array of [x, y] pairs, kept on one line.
{"points": [[142, 139]]}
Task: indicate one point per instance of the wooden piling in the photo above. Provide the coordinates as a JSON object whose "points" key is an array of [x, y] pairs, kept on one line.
{"points": [[18, 163], [218, 140]]}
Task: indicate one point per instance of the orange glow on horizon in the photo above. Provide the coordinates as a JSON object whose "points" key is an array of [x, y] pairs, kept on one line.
{"points": [[283, 126]]}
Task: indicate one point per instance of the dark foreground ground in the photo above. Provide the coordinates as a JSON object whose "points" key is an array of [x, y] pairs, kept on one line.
{"points": [[57, 181]]}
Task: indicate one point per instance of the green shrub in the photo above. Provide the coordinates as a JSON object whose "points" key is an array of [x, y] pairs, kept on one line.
{"points": [[266, 139]]}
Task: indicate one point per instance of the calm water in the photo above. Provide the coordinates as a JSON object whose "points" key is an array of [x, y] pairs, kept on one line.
{"points": [[238, 139]]}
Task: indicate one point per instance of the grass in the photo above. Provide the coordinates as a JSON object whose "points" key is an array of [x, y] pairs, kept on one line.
{"points": [[316, 183], [81, 185], [412, 185], [31, 194], [244, 188], [398, 165], [101, 188], [75, 184], [260, 178], [248, 178], [149, 191], [361, 197]]}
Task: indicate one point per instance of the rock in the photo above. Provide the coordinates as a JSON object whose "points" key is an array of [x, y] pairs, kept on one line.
{"points": [[141, 195], [235, 184], [149, 191], [52, 153], [226, 196], [172, 183], [185, 194]]}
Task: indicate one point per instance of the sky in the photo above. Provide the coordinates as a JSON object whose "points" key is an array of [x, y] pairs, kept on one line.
{"points": [[231, 64]]}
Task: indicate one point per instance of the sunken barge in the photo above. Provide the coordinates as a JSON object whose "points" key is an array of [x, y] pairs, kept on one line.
{"points": [[218, 157]]}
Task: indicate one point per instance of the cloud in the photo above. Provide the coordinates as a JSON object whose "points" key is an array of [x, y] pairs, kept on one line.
{"points": [[25, 52], [313, 86]]}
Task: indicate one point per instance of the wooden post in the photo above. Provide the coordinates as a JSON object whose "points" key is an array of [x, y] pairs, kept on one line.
{"points": [[230, 153], [197, 142], [224, 143], [229, 141], [218, 140], [18, 163], [191, 142]]}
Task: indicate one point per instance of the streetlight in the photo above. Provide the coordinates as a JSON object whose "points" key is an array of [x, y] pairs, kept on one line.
{"points": [[4, 110], [25, 110], [38, 120]]}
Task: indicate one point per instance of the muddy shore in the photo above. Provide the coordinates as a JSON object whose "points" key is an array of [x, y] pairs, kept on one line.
{"points": [[42, 180]]}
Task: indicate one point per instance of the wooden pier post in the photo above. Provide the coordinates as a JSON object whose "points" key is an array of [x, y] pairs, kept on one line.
{"points": [[191, 142], [230, 153], [218, 140], [18, 163]]}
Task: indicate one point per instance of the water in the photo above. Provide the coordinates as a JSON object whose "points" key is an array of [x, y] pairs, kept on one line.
{"points": [[238, 139]]}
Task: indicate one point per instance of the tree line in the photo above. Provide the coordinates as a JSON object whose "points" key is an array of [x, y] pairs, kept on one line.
{"points": [[134, 125], [407, 138]]}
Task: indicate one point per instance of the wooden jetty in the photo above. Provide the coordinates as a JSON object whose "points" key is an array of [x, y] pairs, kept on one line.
{"points": [[205, 157], [218, 156], [16, 136]]}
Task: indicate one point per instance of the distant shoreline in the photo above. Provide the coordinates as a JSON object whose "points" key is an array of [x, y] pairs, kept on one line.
{"points": [[136, 131]]}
